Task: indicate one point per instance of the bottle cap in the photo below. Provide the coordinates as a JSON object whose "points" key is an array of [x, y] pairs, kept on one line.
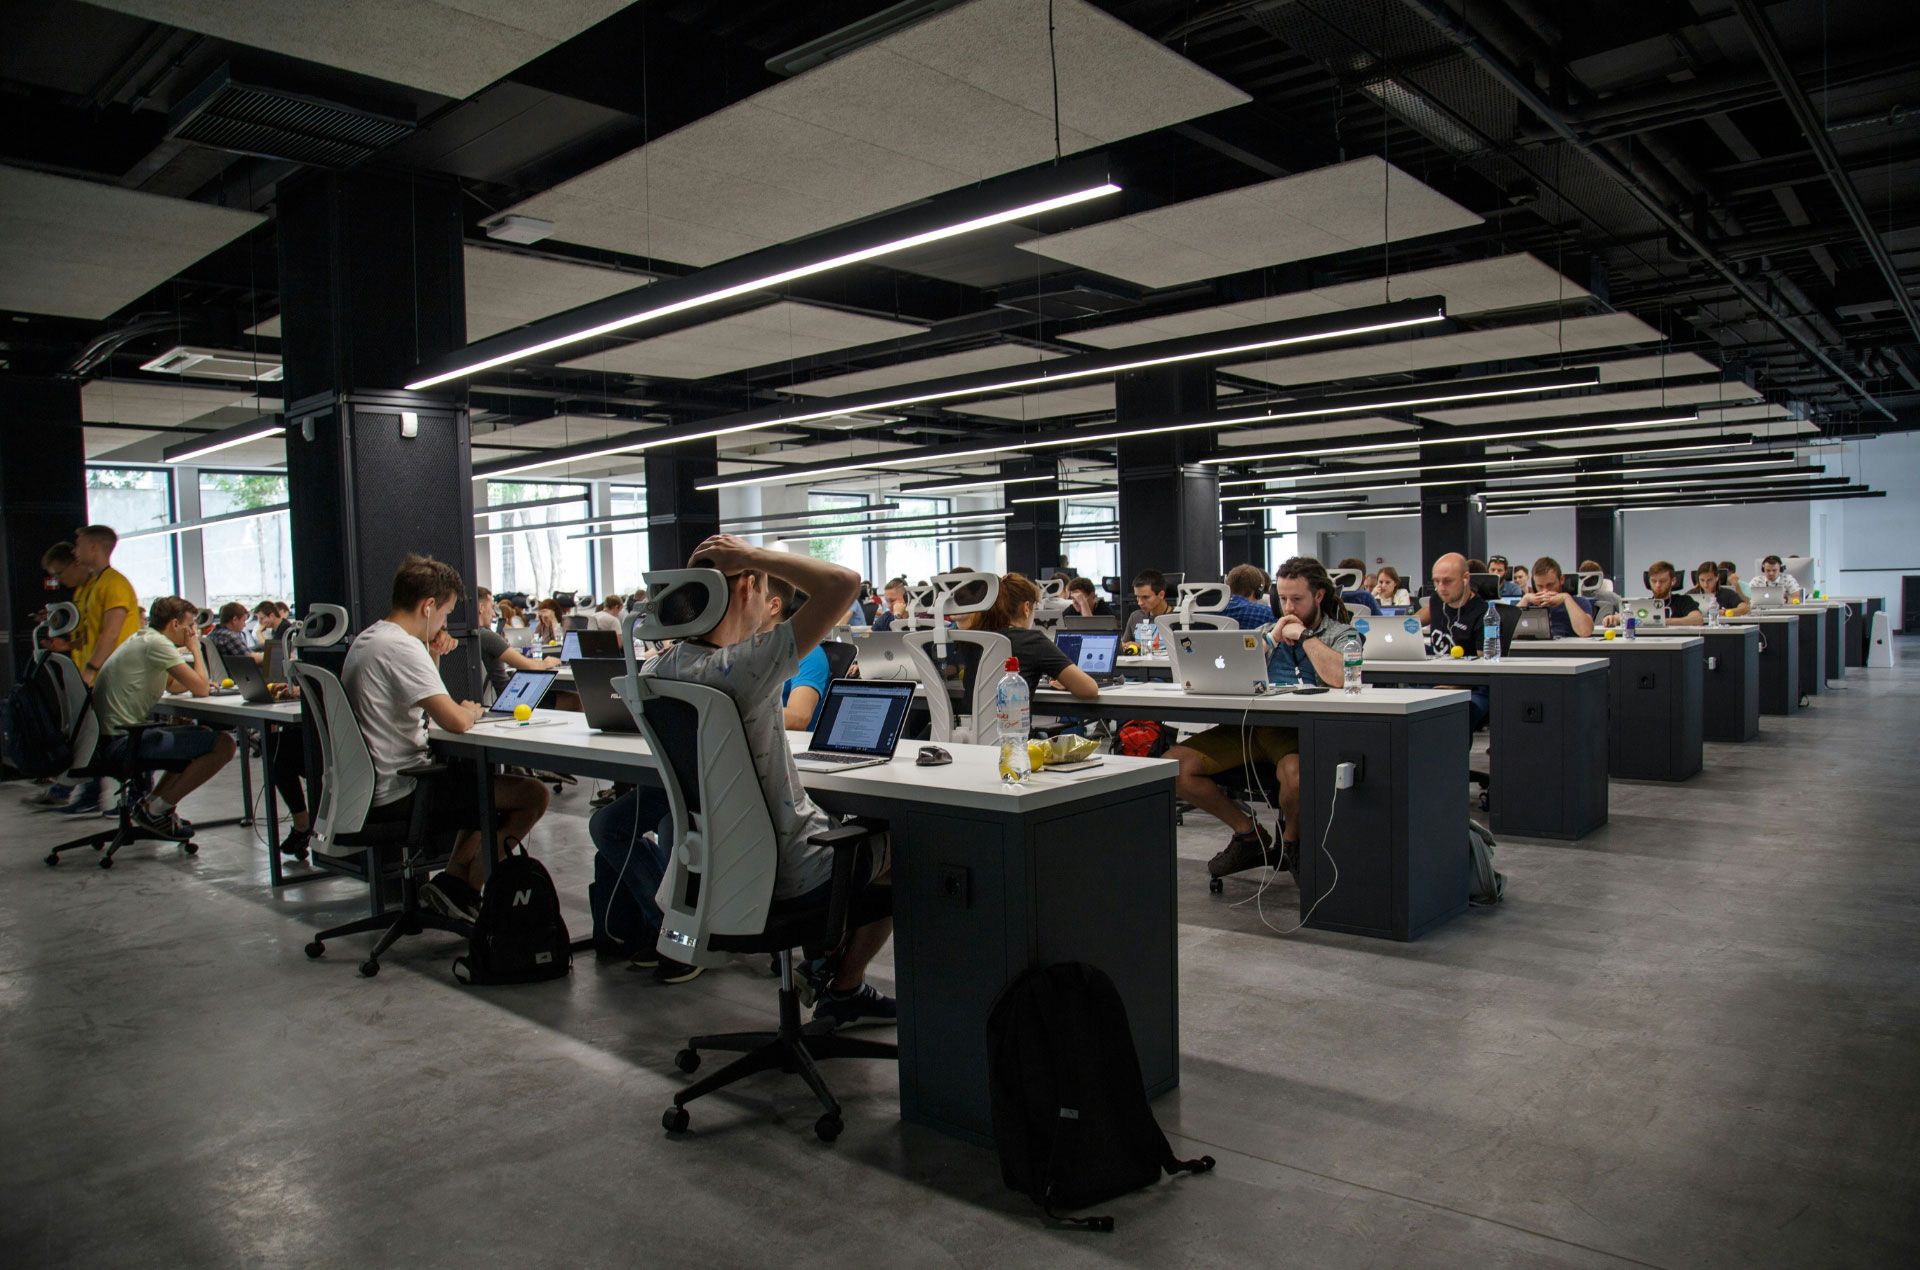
{"points": [[1013, 663]]}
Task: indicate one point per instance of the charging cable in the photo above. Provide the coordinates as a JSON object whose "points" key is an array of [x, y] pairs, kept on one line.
{"points": [[1259, 908]]}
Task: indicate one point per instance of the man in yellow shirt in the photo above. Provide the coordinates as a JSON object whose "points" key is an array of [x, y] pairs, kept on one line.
{"points": [[106, 600]]}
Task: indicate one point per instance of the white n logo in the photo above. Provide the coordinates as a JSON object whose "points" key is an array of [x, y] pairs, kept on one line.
{"points": [[522, 897]]}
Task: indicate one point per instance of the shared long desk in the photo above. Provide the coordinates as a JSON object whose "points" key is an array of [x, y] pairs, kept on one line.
{"points": [[233, 711], [1730, 682], [1818, 642], [1655, 694], [988, 880]]}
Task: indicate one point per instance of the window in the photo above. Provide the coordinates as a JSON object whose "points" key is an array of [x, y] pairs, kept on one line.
{"points": [[851, 550], [246, 560], [1284, 542], [629, 547], [539, 562], [916, 554], [1094, 558], [132, 498]]}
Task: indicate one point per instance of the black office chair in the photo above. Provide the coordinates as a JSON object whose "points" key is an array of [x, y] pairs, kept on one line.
{"points": [[136, 782], [840, 655], [717, 898]]}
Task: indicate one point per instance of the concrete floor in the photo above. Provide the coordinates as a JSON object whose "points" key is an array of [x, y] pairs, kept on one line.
{"points": [[1692, 1039]]}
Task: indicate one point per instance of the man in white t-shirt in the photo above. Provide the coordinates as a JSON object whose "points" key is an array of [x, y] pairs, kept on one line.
{"points": [[1773, 572], [392, 679]]}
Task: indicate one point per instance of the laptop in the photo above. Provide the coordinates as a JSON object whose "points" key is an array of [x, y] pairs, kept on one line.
{"points": [[526, 688], [577, 644], [1647, 612], [1532, 623], [1766, 595], [248, 680], [605, 708], [860, 726], [1093, 652], [1398, 639], [276, 670], [1224, 663], [1094, 622], [883, 655]]}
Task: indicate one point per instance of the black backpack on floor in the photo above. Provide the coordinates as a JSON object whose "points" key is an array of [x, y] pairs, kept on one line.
{"points": [[1070, 1113], [32, 742], [519, 936]]}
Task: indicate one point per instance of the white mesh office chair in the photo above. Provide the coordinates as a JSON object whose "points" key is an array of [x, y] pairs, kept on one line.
{"points": [[1197, 608], [716, 897], [967, 660]]}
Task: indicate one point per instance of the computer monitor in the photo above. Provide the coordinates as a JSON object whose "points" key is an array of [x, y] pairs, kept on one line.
{"points": [[1485, 585], [1801, 567]]}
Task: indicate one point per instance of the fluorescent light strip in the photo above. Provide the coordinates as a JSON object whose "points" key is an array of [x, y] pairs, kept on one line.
{"points": [[205, 522], [225, 439], [1601, 474], [1708, 498], [1552, 499], [927, 523], [530, 504], [1529, 461], [1409, 442], [1388, 515], [502, 531], [915, 491], [772, 281], [1088, 495], [1602, 488], [868, 509]]}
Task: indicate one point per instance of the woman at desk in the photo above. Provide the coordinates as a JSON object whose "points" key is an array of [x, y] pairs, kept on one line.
{"points": [[1012, 616], [546, 628]]}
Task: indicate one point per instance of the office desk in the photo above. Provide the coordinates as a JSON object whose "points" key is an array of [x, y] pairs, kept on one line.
{"points": [[1779, 659], [1547, 733], [1397, 838], [1813, 623], [1654, 694], [988, 881], [1146, 666], [1730, 701], [234, 711], [1857, 635]]}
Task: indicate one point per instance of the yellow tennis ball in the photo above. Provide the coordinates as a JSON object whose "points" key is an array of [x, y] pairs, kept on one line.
{"points": [[1458, 651], [226, 683], [523, 712]]}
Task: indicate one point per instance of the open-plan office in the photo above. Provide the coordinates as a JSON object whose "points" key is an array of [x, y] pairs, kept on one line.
{"points": [[959, 631]]}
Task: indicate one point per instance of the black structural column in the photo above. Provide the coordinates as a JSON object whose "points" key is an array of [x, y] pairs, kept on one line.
{"points": [[1597, 536], [1033, 535], [1169, 500], [43, 499], [679, 516], [1243, 538], [372, 283]]}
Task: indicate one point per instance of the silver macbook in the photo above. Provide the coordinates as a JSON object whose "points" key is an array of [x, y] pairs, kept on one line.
{"points": [[1647, 612], [1222, 663], [860, 724], [883, 655], [1766, 595], [527, 688], [1393, 638]]}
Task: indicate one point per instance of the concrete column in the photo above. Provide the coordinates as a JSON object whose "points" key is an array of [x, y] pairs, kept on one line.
{"points": [[1169, 501]]}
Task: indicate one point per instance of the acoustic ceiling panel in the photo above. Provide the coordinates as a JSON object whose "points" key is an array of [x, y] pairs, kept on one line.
{"points": [[1086, 399], [1475, 286], [1639, 399], [777, 332], [1361, 203], [1530, 339], [1659, 366], [102, 442], [1268, 438], [80, 249], [451, 47], [161, 405], [963, 95], [552, 432], [992, 357]]}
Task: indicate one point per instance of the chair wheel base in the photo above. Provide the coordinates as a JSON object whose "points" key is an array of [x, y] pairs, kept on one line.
{"points": [[106, 862], [1216, 885], [191, 848], [675, 1120], [828, 1127], [315, 949], [53, 858], [687, 1060], [369, 968]]}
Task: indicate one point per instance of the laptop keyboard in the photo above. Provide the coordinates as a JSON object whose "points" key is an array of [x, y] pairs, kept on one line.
{"points": [[838, 759]]}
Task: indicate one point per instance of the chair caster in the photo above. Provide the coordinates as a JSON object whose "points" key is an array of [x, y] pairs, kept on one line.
{"points": [[314, 949], [106, 862], [828, 1127], [1216, 885], [687, 1061], [53, 858], [369, 968], [674, 1120], [191, 848]]}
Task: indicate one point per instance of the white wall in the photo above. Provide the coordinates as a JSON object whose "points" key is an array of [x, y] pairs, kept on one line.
{"points": [[1872, 543], [1685, 536], [1521, 539], [1524, 539]]}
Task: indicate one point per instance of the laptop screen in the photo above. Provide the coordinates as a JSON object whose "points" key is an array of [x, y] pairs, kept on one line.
{"points": [[1091, 651], [862, 718], [526, 688], [570, 646]]}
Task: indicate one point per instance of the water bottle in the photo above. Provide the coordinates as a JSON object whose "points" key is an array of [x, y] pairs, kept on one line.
{"points": [[1710, 605], [1490, 634], [1633, 625], [1353, 649], [1013, 714], [1143, 634]]}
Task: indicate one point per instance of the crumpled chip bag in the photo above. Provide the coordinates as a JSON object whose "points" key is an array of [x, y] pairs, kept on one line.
{"points": [[1067, 748]]}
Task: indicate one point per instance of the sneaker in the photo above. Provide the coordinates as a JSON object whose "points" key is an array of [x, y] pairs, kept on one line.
{"points": [[1243, 851], [852, 1009], [450, 896], [85, 801], [54, 795], [671, 971], [1290, 857], [294, 845], [166, 825]]}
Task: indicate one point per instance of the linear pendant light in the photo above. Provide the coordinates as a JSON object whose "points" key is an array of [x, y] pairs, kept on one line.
{"points": [[864, 510], [923, 527], [1063, 186], [1246, 340], [1502, 462], [1578, 495], [1563, 472], [1704, 498], [1466, 436], [225, 439], [1605, 486], [206, 522]]}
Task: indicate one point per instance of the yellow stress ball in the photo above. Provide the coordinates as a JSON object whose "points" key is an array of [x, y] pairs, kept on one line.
{"points": [[523, 712], [1457, 651], [226, 683]]}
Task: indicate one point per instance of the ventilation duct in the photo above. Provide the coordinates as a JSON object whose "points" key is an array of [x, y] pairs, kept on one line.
{"points": [[228, 115]]}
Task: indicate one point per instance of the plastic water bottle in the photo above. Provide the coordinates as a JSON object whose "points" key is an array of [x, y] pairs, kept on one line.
{"points": [[1012, 711], [1490, 634], [1143, 634], [1353, 650], [1633, 625]]}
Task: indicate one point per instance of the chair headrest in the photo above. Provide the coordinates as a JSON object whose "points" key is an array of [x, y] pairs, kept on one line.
{"points": [[324, 625], [1589, 582], [63, 617], [1053, 589], [1202, 597], [680, 604], [1346, 579]]}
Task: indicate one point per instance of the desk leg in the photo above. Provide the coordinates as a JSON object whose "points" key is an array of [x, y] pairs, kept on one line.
{"points": [[489, 829], [275, 872], [246, 787]]}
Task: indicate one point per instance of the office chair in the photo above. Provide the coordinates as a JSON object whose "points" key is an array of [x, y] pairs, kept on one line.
{"points": [[840, 658], [717, 896], [342, 843], [136, 782], [974, 657]]}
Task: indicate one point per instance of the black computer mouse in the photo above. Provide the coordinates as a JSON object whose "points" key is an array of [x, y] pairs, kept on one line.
{"points": [[932, 756]]}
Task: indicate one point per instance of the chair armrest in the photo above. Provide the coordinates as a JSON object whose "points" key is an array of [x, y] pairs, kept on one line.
{"points": [[846, 841]]}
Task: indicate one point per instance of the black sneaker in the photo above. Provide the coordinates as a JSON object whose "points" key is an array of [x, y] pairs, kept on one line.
{"points": [[853, 1009], [1243, 851], [51, 798], [671, 971], [1290, 857], [450, 896], [166, 825], [294, 845]]}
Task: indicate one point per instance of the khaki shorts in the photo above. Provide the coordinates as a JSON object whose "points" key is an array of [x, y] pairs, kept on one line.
{"points": [[1231, 746]]}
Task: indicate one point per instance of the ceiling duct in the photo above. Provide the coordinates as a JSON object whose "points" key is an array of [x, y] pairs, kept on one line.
{"points": [[228, 115]]}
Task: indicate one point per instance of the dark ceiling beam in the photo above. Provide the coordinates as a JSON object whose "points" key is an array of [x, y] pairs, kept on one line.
{"points": [[1762, 176]]}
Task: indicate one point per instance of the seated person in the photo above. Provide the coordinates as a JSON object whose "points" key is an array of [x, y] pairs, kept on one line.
{"points": [[1358, 598], [498, 658], [806, 690], [1246, 583], [1305, 648], [1149, 601], [1386, 585], [1086, 600], [1773, 572], [893, 605], [1567, 615], [1455, 611], [1662, 579], [267, 619], [229, 634], [1510, 588], [1521, 582], [1709, 594], [1039, 657], [748, 661], [607, 616], [1730, 579], [164, 654], [392, 680]]}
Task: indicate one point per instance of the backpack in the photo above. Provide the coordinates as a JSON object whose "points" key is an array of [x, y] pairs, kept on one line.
{"points": [[1143, 738], [31, 739], [1486, 883], [519, 936], [1070, 1113]]}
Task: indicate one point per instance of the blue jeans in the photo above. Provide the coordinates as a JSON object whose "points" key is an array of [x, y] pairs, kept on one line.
{"points": [[1477, 708], [616, 830]]}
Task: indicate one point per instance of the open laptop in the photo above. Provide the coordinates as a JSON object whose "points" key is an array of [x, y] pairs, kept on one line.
{"points": [[1532, 623], [578, 644], [248, 680], [1647, 612], [605, 709], [1224, 663], [1093, 652], [1096, 622], [1393, 638], [883, 655], [860, 725], [526, 688], [1766, 595], [276, 670]]}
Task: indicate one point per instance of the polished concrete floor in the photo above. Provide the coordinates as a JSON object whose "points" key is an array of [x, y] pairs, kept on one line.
{"points": [[1691, 1040]]}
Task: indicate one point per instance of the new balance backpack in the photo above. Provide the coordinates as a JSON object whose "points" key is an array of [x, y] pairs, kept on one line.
{"points": [[519, 936], [1070, 1113]]}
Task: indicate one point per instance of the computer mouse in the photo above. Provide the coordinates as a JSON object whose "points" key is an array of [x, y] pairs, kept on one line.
{"points": [[932, 756]]}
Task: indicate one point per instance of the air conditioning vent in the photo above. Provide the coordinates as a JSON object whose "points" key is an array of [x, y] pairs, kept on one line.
{"points": [[217, 363], [229, 115]]}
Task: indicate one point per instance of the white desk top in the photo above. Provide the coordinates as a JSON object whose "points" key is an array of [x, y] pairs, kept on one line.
{"points": [[1769, 615], [232, 706], [972, 780], [1165, 701], [1596, 644], [1440, 667], [1685, 632]]}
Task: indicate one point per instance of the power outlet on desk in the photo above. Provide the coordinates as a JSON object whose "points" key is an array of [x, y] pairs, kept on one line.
{"points": [[1647, 681], [1533, 712], [956, 885], [1349, 771]]}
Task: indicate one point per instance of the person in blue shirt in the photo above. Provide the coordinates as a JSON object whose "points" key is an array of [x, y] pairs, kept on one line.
{"points": [[1509, 589], [802, 695], [1246, 583]]}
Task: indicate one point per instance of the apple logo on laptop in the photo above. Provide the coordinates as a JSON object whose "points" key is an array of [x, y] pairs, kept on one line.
{"points": [[1219, 662]]}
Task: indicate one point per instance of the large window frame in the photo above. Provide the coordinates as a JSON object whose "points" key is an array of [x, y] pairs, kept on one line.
{"points": [[546, 555], [268, 538], [853, 551], [151, 564], [631, 556], [1094, 558]]}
